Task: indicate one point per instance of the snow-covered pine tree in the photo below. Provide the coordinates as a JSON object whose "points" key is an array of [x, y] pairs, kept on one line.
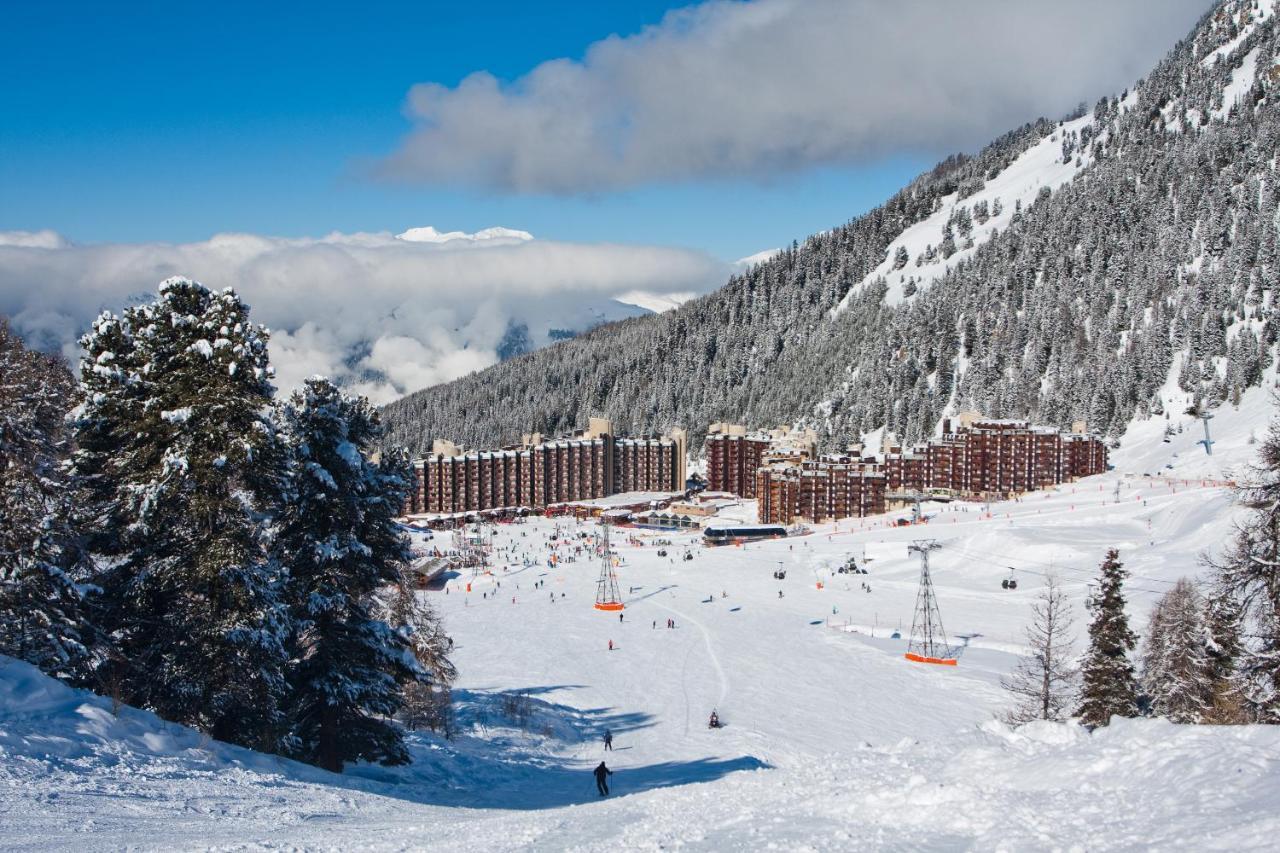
{"points": [[183, 466], [1153, 648], [41, 614], [427, 703], [1108, 686], [1176, 670], [1222, 627], [1043, 682], [1248, 575], [339, 539]]}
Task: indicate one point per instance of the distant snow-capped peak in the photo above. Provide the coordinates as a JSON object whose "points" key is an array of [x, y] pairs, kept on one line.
{"points": [[492, 236]]}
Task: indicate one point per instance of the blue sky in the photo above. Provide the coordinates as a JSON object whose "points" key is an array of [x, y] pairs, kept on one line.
{"points": [[169, 121]]}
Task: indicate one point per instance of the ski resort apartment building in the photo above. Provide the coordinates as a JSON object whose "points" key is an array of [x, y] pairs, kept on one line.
{"points": [[974, 457], [734, 454], [827, 488], [591, 464], [978, 457]]}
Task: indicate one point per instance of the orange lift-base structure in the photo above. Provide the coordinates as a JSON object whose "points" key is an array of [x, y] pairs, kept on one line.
{"points": [[922, 659]]}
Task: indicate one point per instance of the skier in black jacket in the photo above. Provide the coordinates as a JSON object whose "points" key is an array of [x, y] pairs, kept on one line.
{"points": [[602, 773]]}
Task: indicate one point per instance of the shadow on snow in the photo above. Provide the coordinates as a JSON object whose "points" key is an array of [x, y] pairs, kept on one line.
{"points": [[542, 758]]}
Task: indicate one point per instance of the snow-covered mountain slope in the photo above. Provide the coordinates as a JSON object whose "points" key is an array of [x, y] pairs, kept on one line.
{"points": [[833, 740], [914, 254], [1171, 443], [1239, 21], [1130, 234]]}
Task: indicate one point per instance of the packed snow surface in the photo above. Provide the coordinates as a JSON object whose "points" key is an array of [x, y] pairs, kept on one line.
{"points": [[833, 741]]}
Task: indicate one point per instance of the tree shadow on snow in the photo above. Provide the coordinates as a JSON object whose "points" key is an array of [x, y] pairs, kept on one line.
{"points": [[507, 780], [541, 759]]}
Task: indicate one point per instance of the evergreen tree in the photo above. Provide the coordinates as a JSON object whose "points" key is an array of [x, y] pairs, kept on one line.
{"points": [[1044, 679], [1248, 575], [426, 702], [41, 613], [340, 540], [1108, 685], [182, 466], [1176, 670], [1222, 626]]}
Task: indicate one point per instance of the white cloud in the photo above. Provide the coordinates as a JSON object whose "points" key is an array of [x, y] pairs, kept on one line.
{"points": [[485, 236], [384, 315], [730, 89], [33, 239]]}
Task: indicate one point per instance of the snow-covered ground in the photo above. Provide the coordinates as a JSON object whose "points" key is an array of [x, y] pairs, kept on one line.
{"points": [[833, 740]]}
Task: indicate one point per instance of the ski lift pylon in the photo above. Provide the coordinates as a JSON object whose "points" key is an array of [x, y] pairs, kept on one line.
{"points": [[928, 643], [608, 596]]}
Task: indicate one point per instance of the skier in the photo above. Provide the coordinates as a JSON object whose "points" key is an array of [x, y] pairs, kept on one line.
{"points": [[611, 645], [608, 740], [619, 617], [602, 773], [714, 723]]}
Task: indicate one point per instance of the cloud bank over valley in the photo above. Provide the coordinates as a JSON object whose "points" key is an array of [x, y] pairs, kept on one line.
{"points": [[384, 314]]}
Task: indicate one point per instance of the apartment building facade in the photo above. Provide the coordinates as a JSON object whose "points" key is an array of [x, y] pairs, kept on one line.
{"points": [[591, 464], [973, 457]]}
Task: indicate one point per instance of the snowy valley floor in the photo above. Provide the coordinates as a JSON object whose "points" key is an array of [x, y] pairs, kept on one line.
{"points": [[833, 740]]}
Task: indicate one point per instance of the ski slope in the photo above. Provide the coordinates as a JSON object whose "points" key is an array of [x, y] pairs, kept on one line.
{"points": [[833, 740]]}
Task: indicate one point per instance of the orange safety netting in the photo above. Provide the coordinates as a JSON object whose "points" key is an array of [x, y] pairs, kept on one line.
{"points": [[922, 659]]}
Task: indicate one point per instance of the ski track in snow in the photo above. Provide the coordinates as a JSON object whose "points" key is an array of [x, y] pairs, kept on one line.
{"points": [[711, 652]]}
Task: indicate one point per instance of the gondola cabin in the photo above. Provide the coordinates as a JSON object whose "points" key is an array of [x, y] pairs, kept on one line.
{"points": [[735, 534]]}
